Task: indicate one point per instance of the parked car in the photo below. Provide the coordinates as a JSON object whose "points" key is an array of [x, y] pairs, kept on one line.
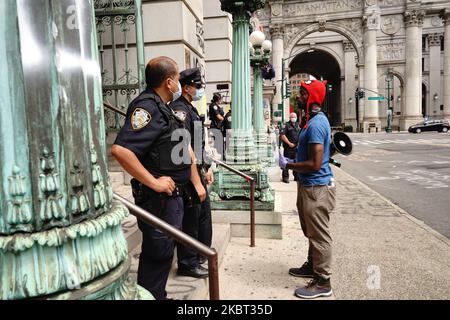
{"points": [[430, 125]]}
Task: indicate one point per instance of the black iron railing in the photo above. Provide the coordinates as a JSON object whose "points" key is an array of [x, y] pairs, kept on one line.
{"points": [[183, 238]]}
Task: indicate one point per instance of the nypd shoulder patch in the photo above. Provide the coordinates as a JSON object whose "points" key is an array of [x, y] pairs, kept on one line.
{"points": [[180, 115], [140, 119]]}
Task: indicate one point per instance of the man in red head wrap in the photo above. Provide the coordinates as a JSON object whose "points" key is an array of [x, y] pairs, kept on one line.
{"points": [[316, 191]]}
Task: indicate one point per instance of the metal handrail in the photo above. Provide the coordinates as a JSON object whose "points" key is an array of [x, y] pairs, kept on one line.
{"points": [[183, 238], [252, 194], [114, 109]]}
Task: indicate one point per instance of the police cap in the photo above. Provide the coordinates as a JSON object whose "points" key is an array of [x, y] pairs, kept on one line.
{"points": [[192, 77]]}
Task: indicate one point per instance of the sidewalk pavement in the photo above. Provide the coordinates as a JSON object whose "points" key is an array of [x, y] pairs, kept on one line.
{"points": [[380, 252]]}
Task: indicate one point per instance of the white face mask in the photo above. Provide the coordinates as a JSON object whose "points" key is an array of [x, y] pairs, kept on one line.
{"points": [[199, 93], [176, 95], [293, 120]]}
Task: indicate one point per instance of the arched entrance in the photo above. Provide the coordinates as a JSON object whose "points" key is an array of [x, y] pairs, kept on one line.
{"points": [[322, 65]]}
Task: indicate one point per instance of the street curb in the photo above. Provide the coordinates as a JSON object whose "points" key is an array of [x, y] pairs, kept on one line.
{"points": [[418, 222]]}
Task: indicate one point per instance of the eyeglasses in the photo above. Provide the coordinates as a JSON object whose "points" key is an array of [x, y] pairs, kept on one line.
{"points": [[198, 85]]}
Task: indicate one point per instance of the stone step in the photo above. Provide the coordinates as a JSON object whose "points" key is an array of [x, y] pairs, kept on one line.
{"points": [[267, 223], [187, 288]]}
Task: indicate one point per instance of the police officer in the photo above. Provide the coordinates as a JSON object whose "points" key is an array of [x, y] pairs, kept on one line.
{"points": [[197, 216], [226, 126], [216, 113], [289, 136], [143, 148]]}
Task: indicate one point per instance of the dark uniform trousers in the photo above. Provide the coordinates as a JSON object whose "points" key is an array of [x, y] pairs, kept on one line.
{"points": [[197, 223], [291, 132], [158, 248]]}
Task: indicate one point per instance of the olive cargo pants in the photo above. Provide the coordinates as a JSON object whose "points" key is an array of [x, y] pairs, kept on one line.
{"points": [[314, 206]]}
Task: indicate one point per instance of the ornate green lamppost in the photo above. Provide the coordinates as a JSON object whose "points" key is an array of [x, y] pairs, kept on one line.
{"points": [[389, 79], [60, 230], [242, 152], [260, 50]]}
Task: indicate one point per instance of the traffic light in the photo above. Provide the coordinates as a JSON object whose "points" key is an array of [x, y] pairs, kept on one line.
{"points": [[330, 87], [288, 90], [362, 94], [359, 94]]}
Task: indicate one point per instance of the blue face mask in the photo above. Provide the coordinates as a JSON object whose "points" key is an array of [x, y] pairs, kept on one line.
{"points": [[176, 95], [199, 94]]}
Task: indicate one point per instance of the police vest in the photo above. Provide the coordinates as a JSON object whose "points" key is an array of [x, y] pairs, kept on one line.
{"points": [[159, 157]]}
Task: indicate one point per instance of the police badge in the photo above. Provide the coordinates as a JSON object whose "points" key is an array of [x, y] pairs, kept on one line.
{"points": [[140, 119]]}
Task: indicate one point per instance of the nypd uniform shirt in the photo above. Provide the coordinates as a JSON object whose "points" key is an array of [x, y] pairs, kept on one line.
{"points": [[214, 111], [186, 112], [143, 126]]}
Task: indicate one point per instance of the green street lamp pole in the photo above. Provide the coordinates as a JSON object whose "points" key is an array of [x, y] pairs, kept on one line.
{"points": [[389, 79], [259, 57], [241, 152]]}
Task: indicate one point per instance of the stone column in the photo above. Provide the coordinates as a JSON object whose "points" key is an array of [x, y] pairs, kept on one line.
{"points": [[349, 112], [371, 25], [434, 41], [413, 71], [277, 31], [445, 15]]}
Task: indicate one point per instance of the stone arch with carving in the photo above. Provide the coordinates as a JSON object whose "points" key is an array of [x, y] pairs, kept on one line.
{"points": [[326, 49], [329, 26]]}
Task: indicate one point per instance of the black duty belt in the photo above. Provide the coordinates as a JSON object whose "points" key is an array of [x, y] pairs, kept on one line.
{"points": [[144, 191]]}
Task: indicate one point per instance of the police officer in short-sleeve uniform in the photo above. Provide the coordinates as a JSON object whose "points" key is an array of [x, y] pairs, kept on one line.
{"points": [[197, 216], [143, 147]]}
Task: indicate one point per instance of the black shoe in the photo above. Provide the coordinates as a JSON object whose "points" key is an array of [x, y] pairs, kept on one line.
{"points": [[286, 180], [305, 271], [197, 272], [318, 287]]}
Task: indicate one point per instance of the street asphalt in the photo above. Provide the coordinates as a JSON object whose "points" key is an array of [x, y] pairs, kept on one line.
{"points": [[411, 170]]}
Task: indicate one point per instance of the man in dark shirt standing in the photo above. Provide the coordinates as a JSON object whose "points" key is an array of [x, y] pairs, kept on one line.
{"points": [[289, 136], [144, 149], [197, 215]]}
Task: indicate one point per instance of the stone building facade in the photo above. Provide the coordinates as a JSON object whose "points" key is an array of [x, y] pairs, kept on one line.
{"points": [[398, 49]]}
